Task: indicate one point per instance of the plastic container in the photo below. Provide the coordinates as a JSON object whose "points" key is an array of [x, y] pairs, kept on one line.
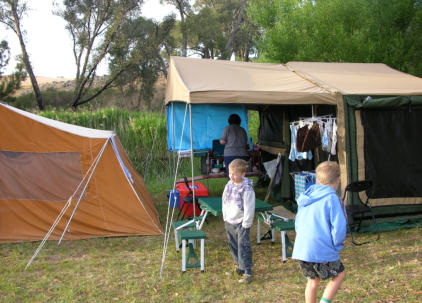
{"points": [[174, 196], [200, 191]]}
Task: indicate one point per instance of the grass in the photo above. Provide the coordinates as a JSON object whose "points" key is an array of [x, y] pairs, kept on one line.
{"points": [[142, 134], [127, 269]]}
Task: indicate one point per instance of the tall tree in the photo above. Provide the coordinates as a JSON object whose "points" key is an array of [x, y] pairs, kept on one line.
{"points": [[9, 84], [206, 33], [184, 8], [386, 31], [139, 47], [11, 14], [94, 26], [234, 29], [220, 28]]}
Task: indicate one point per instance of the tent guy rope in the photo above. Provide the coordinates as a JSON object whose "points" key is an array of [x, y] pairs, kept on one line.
{"points": [[168, 222], [68, 203]]}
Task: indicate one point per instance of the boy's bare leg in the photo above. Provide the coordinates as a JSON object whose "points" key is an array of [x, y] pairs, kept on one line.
{"points": [[311, 290], [332, 286]]}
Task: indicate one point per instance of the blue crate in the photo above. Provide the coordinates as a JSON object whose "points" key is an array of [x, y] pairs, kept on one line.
{"points": [[173, 195]]}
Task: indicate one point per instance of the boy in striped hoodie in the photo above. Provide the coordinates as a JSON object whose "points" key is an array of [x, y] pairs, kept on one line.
{"points": [[238, 208]]}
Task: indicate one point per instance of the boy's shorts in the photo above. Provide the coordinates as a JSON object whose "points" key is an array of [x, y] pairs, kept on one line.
{"points": [[322, 271]]}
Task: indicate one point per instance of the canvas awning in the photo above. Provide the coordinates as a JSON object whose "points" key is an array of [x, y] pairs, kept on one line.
{"points": [[218, 81], [359, 78]]}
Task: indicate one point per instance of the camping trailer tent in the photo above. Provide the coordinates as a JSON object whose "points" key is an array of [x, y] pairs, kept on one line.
{"points": [[44, 162], [378, 111]]}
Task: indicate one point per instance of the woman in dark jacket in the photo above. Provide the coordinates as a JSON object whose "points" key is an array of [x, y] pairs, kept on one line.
{"points": [[235, 141]]}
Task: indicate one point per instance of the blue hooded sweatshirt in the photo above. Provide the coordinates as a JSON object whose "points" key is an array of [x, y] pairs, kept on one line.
{"points": [[320, 225]]}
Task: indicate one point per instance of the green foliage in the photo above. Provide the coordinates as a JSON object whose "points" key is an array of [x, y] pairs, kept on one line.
{"points": [[213, 24], [206, 32], [142, 134], [94, 25], [137, 53], [253, 125], [9, 84], [4, 55], [11, 14], [387, 31]]}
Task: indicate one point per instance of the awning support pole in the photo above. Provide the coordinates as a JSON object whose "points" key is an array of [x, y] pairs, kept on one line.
{"points": [[191, 159]]}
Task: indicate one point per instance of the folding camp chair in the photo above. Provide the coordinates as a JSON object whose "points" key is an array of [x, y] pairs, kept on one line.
{"points": [[357, 213], [187, 201]]}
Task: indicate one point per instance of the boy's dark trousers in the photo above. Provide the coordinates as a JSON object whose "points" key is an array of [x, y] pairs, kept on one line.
{"points": [[240, 245]]}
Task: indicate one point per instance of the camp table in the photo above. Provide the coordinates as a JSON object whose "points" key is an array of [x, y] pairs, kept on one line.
{"points": [[208, 205], [213, 205]]}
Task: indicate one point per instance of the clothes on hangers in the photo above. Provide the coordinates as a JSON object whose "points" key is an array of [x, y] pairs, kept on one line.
{"points": [[327, 136], [334, 139], [294, 154], [311, 140], [311, 133]]}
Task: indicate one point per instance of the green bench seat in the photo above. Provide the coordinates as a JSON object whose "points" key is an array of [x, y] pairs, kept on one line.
{"points": [[188, 237]]}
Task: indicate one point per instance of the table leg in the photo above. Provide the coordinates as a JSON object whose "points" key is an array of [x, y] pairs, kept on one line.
{"points": [[183, 255], [283, 245], [202, 255]]}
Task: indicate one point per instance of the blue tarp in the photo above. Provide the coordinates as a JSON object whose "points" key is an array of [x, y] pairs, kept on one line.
{"points": [[208, 122]]}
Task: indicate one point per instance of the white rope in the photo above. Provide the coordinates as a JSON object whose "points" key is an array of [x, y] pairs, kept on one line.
{"points": [[85, 187], [63, 211], [168, 222]]}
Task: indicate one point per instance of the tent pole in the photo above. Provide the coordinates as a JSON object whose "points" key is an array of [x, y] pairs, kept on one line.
{"points": [[191, 159], [168, 222], [83, 191], [174, 137]]}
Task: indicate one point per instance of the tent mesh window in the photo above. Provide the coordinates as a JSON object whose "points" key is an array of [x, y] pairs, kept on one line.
{"points": [[392, 151], [51, 177]]}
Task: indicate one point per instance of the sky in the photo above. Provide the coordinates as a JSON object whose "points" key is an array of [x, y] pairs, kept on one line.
{"points": [[48, 43]]}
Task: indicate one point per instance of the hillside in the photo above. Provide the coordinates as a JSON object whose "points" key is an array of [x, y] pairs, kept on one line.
{"points": [[55, 87], [64, 83]]}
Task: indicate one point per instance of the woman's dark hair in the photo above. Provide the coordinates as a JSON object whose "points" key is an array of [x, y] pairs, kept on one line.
{"points": [[234, 119]]}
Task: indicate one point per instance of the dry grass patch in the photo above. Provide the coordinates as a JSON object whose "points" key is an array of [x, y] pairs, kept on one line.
{"points": [[127, 269]]}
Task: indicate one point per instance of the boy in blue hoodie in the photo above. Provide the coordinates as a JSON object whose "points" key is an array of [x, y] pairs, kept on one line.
{"points": [[238, 213], [320, 232]]}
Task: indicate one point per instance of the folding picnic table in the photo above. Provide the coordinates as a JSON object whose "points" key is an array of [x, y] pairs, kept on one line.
{"points": [[208, 205], [214, 205]]}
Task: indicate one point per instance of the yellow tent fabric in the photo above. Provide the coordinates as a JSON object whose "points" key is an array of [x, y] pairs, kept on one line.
{"points": [[359, 78], [43, 161], [218, 81], [294, 83], [194, 80]]}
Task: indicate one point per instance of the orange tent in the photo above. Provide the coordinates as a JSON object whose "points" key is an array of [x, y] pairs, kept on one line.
{"points": [[80, 177]]}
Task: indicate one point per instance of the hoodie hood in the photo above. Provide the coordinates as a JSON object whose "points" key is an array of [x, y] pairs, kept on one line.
{"points": [[314, 193]]}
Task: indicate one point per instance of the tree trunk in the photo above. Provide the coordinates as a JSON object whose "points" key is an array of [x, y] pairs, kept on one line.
{"points": [[227, 50], [26, 61], [163, 66], [182, 13]]}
